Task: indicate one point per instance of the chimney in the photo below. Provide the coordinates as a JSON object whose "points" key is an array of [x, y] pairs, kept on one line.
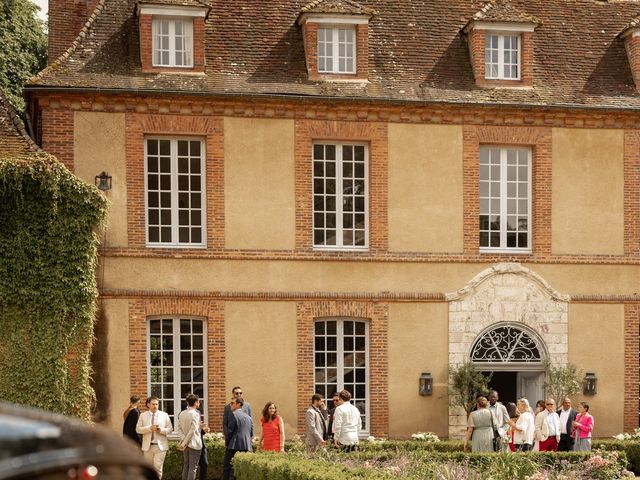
{"points": [[66, 20]]}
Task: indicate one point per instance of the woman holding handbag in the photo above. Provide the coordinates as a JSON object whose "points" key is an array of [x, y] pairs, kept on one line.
{"points": [[582, 428]]}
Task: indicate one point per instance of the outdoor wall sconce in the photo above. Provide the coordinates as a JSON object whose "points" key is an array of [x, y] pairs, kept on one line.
{"points": [[426, 384], [590, 384], [103, 181]]}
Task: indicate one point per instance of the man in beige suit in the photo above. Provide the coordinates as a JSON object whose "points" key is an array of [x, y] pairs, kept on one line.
{"points": [[315, 417], [548, 427], [154, 425]]}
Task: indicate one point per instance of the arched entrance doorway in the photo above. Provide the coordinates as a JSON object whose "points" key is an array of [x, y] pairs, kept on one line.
{"points": [[508, 320], [515, 356]]}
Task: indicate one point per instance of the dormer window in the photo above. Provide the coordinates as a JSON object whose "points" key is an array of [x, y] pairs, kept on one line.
{"points": [[502, 56], [501, 49], [171, 37], [336, 39], [336, 50], [172, 42]]}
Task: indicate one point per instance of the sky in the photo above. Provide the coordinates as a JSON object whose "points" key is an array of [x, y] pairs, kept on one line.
{"points": [[44, 7]]}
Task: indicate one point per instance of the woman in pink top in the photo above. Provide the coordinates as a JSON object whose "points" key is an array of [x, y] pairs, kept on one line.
{"points": [[582, 428]]}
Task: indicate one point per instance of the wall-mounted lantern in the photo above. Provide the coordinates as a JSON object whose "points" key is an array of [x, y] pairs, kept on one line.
{"points": [[103, 181], [426, 384], [590, 384]]}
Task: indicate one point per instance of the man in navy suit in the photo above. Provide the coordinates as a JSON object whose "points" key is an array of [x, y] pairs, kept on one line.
{"points": [[239, 435], [567, 416]]}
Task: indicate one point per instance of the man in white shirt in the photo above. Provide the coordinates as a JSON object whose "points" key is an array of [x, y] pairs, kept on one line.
{"points": [[548, 427], [567, 417], [347, 423], [188, 428], [154, 425]]}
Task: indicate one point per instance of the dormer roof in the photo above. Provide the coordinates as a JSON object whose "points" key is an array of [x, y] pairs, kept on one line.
{"points": [[632, 25], [503, 11], [348, 7]]}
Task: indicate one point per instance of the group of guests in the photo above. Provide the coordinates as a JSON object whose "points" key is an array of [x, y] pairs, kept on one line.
{"points": [[516, 427], [339, 425], [150, 429]]}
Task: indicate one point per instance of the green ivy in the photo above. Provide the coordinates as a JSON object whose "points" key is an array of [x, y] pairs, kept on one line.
{"points": [[48, 258]]}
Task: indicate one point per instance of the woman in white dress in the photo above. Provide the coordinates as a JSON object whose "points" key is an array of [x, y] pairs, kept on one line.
{"points": [[523, 427]]}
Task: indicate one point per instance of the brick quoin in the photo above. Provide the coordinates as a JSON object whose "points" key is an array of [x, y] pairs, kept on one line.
{"points": [[632, 366], [212, 311], [377, 315]]}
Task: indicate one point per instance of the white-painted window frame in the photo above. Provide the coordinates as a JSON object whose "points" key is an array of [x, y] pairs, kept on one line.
{"points": [[501, 65], [186, 52], [175, 192], [341, 198], [155, 388], [332, 63], [503, 199], [326, 388]]}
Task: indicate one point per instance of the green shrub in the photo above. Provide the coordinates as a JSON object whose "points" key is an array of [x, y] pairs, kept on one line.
{"points": [[173, 461], [631, 448]]}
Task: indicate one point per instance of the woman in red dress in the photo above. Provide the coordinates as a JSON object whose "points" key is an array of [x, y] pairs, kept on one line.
{"points": [[272, 437]]}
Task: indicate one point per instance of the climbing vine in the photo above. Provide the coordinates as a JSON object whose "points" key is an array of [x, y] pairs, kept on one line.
{"points": [[48, 257]]}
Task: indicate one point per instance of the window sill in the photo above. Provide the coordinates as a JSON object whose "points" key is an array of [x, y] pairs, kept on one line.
{"points": [[505, 251]]}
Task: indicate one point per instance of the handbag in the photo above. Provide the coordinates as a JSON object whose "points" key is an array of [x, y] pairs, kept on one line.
{"points": [[497, 439]]}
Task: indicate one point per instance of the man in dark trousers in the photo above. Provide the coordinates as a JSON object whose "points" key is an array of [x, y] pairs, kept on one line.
{"points": [[239, 435], [567, 416]]}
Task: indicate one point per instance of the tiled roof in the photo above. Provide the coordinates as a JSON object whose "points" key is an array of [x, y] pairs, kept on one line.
{"points": [[417, 53], [336, 6], [180, 3], [14, 141], [503, 11]]}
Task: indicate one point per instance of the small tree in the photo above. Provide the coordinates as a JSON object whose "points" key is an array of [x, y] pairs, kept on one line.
{"points": [[466, 382], [561, 380]]}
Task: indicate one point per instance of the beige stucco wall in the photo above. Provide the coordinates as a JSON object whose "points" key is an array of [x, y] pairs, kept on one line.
{"points": [[261, 356], [298, 276], [99, 145], [259, 183], [116, 313], [425, 188], [417, 343], [596, 344], [588, 191]]}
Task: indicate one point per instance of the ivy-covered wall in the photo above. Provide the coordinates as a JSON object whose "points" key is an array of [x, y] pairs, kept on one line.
{"points": [[48, 257]]}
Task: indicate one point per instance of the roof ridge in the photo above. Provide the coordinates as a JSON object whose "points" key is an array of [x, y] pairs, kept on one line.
{"points": [[5, 107], [76, 43]]}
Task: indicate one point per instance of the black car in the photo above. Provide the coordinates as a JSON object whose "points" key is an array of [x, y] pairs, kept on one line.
{"points": [[35, 444]]}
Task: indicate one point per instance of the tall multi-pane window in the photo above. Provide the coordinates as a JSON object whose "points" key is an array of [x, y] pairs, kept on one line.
{"points": [[502, 56], [172, 42], [341, 352], [505, 199], [175, 192], [336, 50], [340, 203], [177, 362]]}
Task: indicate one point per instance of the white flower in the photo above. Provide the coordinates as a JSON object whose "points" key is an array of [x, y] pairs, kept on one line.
{"points": [[425, 436]]}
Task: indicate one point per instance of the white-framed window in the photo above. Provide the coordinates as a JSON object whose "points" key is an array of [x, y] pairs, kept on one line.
{"points": [[341, 359], [172, 42], [340, 199], [337, 49], [177, 361], [175, 192], [502, 56], [505, 199]]}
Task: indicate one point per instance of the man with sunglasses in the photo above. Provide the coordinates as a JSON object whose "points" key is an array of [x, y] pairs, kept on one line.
{"points": [[547, 430], [226, 420]]}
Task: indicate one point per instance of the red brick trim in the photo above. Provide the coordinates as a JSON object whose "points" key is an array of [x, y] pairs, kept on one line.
{"points": [[376, 135], [211, 128], [57, 135], [632, 192], [631, 366], [210, 310], [632, 46], [377, 314], [539, 139], [146, 47], [477, 42]]}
